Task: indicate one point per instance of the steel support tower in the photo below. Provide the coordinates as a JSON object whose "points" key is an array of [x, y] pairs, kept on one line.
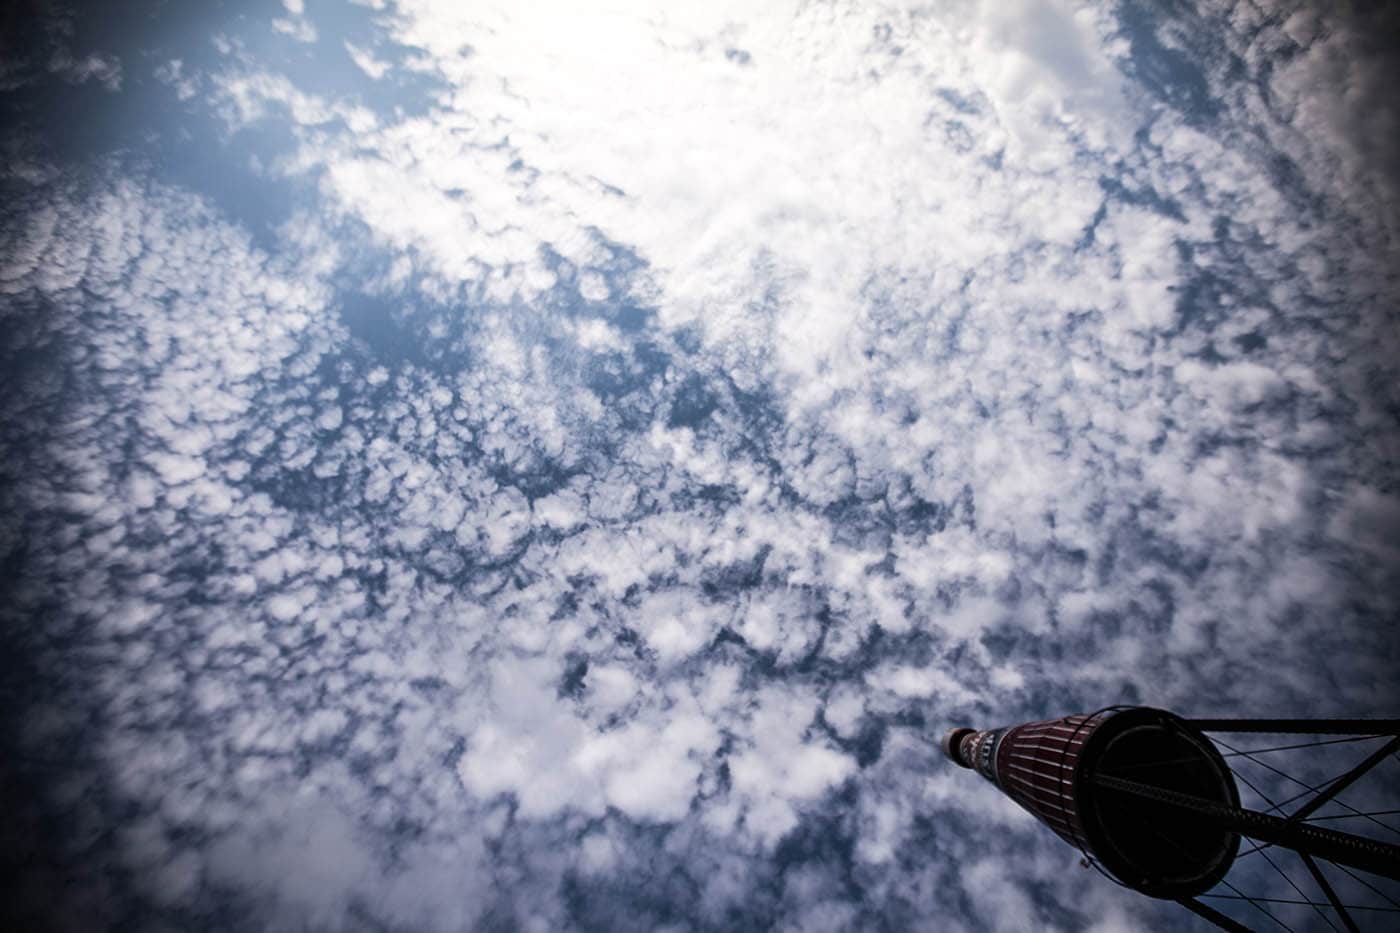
{"points": [[1147, 797]]}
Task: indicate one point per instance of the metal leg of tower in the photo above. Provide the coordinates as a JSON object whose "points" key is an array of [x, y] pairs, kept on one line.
{"points": [[1301, 726], [1345, 781], [1326, 887], [1213, 915], [1371, 855]]}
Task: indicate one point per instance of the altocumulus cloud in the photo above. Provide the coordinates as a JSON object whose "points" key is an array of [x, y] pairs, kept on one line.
{"points": [[633, 432]]}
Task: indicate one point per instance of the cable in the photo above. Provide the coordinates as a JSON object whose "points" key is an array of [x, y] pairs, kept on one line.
{"points": [[1350, 816], [1252, 786], [1383, 896], [1317, 907], [1284, 900], [1241, 896], [1225, 881], [1310, 788], [1284, 748], [1258, 848]]}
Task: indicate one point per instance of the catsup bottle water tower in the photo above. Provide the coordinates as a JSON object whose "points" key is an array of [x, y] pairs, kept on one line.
{"points": [[1147, 796]]}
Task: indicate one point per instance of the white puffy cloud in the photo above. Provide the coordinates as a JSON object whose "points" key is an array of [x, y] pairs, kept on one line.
{"points": [[746, 394], [105, 69]]}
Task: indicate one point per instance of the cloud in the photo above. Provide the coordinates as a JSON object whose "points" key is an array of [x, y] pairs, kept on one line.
{"points": [[296, 25], [104, 69], [173, 74], [595, 497], [366, 62]]}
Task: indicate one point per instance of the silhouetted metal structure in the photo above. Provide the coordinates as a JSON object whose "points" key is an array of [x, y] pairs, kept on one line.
{"points": [[1146, 796]]}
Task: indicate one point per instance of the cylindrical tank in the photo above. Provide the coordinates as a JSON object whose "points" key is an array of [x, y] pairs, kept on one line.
{"points": [[1049, 769]]}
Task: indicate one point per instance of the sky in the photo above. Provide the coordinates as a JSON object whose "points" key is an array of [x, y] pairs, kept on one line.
{"points": [[554, 466]]}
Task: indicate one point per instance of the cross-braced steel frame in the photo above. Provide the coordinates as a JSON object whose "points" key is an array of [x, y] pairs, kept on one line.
{"points": [[1312, 843]]}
